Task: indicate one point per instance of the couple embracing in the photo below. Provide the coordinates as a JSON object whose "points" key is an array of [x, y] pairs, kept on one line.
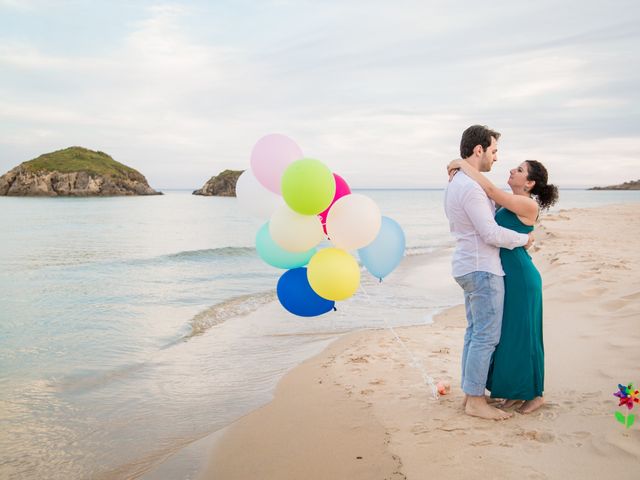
{"points": [[503, 346]]}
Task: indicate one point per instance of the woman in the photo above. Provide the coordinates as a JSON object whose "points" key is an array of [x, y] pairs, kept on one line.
{"points": [[517, 367]]}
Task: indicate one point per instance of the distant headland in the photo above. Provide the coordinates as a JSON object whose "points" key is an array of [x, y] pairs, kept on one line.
{"points": [[74, 172], [632, 185], [222, 185]]}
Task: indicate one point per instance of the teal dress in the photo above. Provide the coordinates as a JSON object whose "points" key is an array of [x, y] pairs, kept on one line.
{"points": [[517, 365]]}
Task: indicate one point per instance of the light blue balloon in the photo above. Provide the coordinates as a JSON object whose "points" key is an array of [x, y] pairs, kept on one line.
{"points": [[274, 255], [384, 254]]}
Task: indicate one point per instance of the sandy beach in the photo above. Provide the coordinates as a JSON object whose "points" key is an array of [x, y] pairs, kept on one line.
{"points": [[361, 410]]}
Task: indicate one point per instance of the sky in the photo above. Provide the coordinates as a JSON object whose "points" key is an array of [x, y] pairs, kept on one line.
{"points": [[379, 91]]}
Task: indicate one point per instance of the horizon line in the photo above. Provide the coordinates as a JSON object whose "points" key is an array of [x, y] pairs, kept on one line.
{"points": [[574, 187]]}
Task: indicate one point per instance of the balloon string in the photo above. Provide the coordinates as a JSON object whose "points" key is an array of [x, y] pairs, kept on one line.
{"points": [[428, 380]]}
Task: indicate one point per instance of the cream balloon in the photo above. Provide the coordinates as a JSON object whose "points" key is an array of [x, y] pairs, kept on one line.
{"points": [[254, 198], [295, 232], [353, 222]]}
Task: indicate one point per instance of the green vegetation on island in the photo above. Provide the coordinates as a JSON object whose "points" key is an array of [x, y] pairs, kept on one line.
{"points": [[73, 172], [79, 159]]}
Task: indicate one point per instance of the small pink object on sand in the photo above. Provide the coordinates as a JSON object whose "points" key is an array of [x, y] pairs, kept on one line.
{"points": [[443, 387]]}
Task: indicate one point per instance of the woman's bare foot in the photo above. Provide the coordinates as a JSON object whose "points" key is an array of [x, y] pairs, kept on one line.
{"points": [[508, 403], [531, 405], [478, 407]]}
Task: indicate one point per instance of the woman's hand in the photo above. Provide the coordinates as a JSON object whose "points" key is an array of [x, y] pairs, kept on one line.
{"points": [[454, 165], [451, 171], [453, 168]]}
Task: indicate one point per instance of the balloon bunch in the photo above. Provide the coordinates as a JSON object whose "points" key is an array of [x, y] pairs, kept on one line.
{"points": [[305, 203]]}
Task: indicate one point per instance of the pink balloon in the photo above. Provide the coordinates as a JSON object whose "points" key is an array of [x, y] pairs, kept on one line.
{"points": [[271, 156], [342, 189]]}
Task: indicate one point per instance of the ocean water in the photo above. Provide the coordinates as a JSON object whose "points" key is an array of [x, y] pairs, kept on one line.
{"points": [[131, 327]]}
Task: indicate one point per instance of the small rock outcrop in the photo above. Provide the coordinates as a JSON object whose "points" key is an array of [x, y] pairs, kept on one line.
{"points": [[222, 185], [632, 185], [74, 172]]}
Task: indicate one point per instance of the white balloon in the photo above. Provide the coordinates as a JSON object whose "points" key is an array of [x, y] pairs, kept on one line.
{"points": [[295, 232], [353, 222], [254, 198]]}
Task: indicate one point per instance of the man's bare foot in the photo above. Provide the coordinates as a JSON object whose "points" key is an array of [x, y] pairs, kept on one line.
{"points": [[489, 400], [478, 407], [531, 405], [509, 403]]}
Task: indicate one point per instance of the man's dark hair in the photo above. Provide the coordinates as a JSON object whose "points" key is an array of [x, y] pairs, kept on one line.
{"points": [[476, 135]]}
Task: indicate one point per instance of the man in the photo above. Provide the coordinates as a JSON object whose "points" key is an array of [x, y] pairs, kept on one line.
{"points": [[476, 266]]}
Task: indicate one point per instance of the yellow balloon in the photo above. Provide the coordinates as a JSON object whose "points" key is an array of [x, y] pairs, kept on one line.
{"points": [[333, 274]]}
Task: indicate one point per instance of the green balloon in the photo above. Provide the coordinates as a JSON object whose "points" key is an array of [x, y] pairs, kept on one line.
{"points": [[277, 257], [308, 186]]}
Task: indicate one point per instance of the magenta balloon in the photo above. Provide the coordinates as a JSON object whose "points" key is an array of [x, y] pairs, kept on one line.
{"points": [[271, 156], [342, 189]]}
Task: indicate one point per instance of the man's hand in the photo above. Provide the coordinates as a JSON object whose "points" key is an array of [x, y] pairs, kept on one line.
{"points": [[530, 242]]}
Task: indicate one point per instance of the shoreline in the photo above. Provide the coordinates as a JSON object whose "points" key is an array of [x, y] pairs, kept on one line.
{"points": [[380, 409], [373, 301]]}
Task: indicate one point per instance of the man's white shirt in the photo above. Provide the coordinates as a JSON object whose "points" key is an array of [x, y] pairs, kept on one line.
{"points": [[478, 236]]}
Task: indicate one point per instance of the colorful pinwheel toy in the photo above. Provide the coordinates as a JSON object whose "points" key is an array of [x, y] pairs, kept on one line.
{"points": [[627, 395]]}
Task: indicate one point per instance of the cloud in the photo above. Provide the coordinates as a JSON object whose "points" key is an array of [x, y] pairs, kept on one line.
{"points": [[183, 90], [16, 5], [140, 93]]}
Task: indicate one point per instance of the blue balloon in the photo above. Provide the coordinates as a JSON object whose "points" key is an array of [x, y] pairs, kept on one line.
{"points": [[274, 255], [297, 296], [385, 253]]}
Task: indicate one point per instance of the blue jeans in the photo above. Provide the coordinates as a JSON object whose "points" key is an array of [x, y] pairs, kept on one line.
{"points": [[484, 302]]}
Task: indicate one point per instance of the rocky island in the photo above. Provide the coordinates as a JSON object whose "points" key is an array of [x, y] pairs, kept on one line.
{"points": [[222, 185], [74, 172], [632, 185]]}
